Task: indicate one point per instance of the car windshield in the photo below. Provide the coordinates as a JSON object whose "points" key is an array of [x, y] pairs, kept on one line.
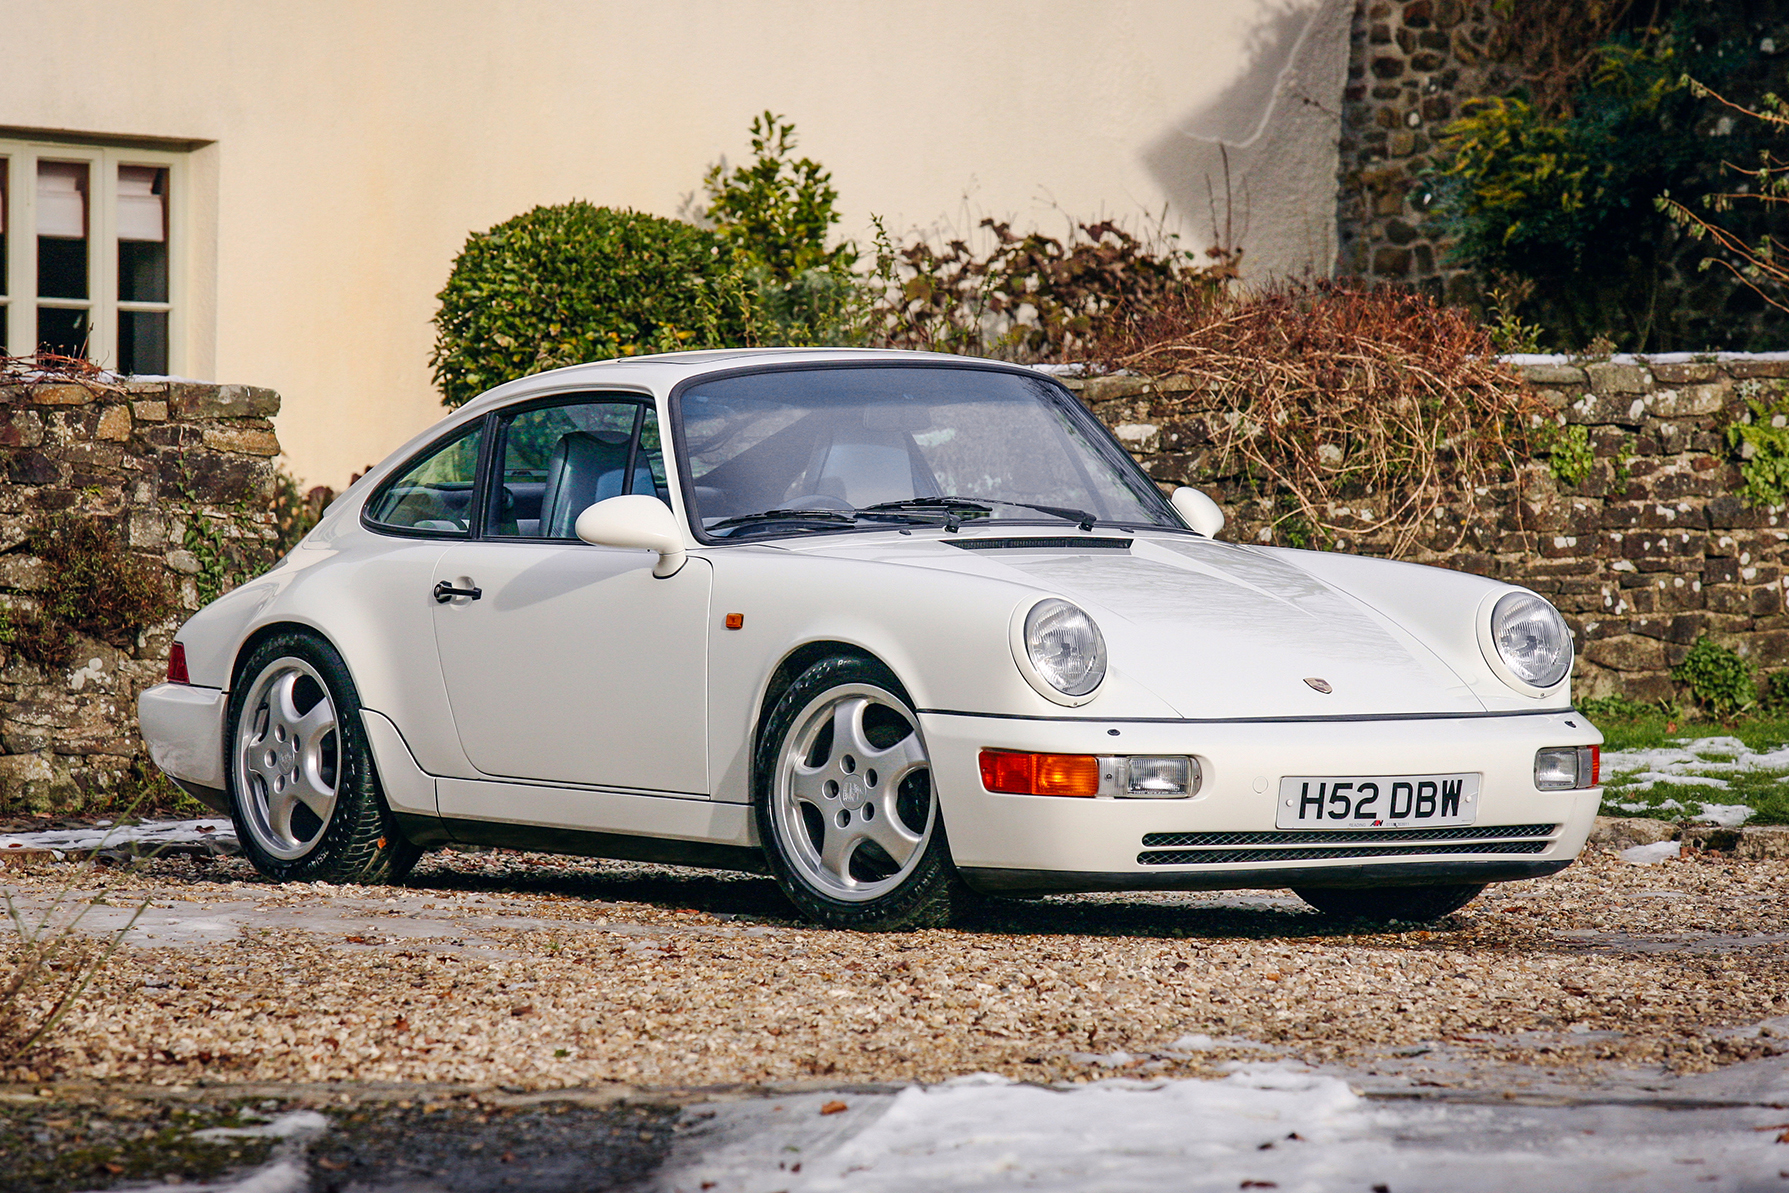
{"points": [[840, 448]]}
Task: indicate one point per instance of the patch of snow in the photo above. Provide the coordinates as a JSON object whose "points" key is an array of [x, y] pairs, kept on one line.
{"points": [[1204, 1043], [281, 1176], [293, 1124], [1647, 855], [1105, 1060], [1725, 815], [1265, 1126], [1692, 763], [111, 836], [1108, 1135]]}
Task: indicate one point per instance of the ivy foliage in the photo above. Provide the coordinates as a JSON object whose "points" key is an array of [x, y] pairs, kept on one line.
{"points": [[1719, 678], [1571, 455], [1562, 192], [95, 587], [1761, 438], [575, 282]]}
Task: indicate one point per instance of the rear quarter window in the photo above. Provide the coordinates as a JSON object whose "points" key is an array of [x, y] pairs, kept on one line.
{"points": [[433, 493]]}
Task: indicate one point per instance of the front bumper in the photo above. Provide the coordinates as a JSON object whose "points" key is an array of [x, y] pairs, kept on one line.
{"points": [[183, 725], [1225, 836]]}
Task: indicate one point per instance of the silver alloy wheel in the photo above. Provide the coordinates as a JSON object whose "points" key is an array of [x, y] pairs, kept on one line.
{"points": [[837, 801], [288, 758]]}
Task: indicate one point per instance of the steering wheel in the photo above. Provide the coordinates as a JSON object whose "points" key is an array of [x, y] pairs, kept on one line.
{"points": [[818, 501]]}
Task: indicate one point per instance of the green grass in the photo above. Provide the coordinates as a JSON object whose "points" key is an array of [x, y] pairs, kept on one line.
{"points": [[1636, 727]]}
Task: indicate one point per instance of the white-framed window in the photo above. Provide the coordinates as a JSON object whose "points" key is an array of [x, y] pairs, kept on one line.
{"points": [[88, 253]]}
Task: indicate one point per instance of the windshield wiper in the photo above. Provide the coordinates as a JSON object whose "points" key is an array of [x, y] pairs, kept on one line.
{"points": [[820, 517], [985, 505]]}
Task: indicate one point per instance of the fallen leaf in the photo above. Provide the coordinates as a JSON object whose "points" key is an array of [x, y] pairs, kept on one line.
{"points": [[833, 1108]]}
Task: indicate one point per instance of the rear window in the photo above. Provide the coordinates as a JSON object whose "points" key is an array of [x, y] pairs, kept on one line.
{"points": [[433, 493]]}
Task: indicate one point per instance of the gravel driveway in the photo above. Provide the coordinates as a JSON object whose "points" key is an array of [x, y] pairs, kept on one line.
{"points": [[534, 972]]}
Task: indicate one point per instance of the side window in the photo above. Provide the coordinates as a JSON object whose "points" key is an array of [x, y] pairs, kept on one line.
{"points": [[560, 460], [435, 492]]}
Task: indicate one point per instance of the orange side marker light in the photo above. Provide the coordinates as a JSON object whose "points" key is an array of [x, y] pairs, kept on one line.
{"points": [[735, 621]]}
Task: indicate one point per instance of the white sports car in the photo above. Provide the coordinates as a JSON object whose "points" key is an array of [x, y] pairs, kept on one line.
{"points": [[897, 626]]}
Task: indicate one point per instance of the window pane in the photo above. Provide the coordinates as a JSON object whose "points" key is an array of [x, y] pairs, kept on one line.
{"points": [[142, 271], [61, 230], [434, 492], [143, 343], [61, 332], [142, 234], [560, 460]]}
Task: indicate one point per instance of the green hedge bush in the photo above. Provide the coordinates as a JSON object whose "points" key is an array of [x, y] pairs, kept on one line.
{"points": [[575, 282]]}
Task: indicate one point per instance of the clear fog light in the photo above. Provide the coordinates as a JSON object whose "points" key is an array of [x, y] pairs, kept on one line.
{"points": [[1162, 776], [1567, 768]]}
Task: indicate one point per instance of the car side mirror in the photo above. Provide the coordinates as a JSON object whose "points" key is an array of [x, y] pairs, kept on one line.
{"points": [[637, 521], [1199, 511]]}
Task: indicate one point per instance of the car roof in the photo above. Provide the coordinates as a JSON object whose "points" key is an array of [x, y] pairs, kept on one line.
{"points": [[658, 373]]}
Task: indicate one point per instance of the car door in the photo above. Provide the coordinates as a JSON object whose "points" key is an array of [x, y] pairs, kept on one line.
{"points": [[564, 662]]}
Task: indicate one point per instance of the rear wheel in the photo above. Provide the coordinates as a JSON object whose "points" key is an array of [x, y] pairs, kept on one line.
{"points": [[845, 807], [1381, 904], [303, 791]]}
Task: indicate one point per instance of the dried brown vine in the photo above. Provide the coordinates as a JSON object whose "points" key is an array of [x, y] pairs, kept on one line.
{"points": [[1328, 395]]}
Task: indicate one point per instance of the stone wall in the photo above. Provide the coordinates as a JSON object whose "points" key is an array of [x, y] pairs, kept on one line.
{"points": [[1650, 551], [1411, 63], [182, 472]]}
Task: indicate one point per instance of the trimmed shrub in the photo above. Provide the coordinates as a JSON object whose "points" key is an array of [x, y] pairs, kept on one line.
{"points": [[562, 285]]}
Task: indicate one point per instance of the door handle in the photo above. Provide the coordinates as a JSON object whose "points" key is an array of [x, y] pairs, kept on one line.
{"points": [[445, 592]]}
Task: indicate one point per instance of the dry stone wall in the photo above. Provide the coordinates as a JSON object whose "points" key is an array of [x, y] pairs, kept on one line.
{"points": [[181, 472], [1411, 64], [1651, 550]]}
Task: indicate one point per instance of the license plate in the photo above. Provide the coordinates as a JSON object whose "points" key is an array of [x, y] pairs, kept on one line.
{"points": [[1377, 801]]}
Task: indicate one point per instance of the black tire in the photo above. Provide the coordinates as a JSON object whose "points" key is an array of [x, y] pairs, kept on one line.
{"points": [[1383, 904], [923, 891], [356, 839]]}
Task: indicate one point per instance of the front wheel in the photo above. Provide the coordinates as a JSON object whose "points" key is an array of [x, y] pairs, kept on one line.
{"points": [[303, 791], [845, 804], [1412, 904]]}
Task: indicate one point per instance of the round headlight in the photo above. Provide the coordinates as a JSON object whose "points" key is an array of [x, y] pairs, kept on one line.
{"points": [[1065, 647], [1531, 639]]}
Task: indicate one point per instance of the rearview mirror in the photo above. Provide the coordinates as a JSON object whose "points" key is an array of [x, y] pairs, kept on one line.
{"points": [[638, 521], [1199, 511]]}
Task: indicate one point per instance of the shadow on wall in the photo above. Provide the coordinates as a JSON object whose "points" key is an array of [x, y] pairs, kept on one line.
{"points": [[1273, 131]]}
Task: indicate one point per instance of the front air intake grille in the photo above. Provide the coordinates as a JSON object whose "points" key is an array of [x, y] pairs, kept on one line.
{"points": [[1216, 857], [1492, 832]]}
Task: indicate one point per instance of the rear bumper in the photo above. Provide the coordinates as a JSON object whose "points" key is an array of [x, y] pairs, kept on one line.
{"points": [[1225, 837], [183, 725]]}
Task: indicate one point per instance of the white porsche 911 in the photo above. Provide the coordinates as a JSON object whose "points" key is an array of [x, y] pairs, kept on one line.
{"points": [[897, 626]]}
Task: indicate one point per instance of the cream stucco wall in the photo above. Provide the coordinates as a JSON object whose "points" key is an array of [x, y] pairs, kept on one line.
{"points": [[344, 148]]}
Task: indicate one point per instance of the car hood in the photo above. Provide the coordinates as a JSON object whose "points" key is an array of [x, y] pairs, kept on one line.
{"points": [[1218, 630]]}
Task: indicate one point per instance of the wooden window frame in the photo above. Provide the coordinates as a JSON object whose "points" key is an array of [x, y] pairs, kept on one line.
{"points": [[19, 305]]}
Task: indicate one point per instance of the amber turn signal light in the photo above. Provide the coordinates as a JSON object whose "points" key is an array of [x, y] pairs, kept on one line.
{"points": [[1013, 773]]}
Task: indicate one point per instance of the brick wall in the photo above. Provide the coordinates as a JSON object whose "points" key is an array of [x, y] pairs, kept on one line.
{"points": [[152, 458], [1650, 551]]}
